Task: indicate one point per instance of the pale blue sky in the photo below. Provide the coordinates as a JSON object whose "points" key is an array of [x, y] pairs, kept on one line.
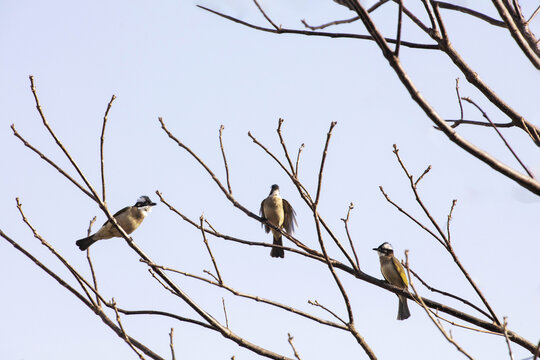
{"points": [[199, 71]]}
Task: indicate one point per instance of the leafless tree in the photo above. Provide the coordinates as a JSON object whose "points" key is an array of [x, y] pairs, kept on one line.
{"points": [[474, 317]]}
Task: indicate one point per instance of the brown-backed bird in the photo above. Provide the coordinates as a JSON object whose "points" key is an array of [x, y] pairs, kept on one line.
{"points": [[279, 213]]}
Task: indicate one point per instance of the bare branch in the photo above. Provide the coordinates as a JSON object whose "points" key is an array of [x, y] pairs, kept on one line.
{"points": [[126, 337], [102, 140], [428, 312], [266, 16], [346, 222], [209, 250], [314, 33], [290, 339], [469, 100], [479, 15], [225, 311], [298, 159], [505, 324], [224, 158], [98, 302], [398, 35], [173, 356]]}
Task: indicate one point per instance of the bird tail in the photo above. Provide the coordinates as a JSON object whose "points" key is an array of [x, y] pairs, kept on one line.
{"points": [[85, 243], [277, 252], [403, 309]]}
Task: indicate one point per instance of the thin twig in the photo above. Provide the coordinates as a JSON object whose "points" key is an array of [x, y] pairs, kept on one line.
{"points": [[469, 100], [444, 34], [428, 312], [94, 279], [459, 102], [316, 303], [50, 162], [314, 33], [449, 218], [298, 159], [435, 290], [278, 130], [533, 15], [290, 339], [323, 160], [479, 15], [225, 312], [126, 338], [398, 35], [505, 325], [346, 222], [256, 298], [58, 142], [82, 282], [430, 14], [266, 16], [422, 176], [79, 296], [456, 123], [171, 344], [224, 158], [347, 21], [209, 250], [102, 140]]}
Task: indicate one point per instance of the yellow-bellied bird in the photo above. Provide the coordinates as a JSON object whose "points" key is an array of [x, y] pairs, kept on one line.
{"points": [[279, 213], [129, 218], [394, 273]]}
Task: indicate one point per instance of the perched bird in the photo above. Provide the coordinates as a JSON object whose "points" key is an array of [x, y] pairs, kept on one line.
{"points": [[129, 218], [394, 273], [279, 213]]}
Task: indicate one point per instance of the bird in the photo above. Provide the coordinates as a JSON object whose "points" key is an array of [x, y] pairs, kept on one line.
{"points": [[279, 213], [129, 218], [393, 272]]}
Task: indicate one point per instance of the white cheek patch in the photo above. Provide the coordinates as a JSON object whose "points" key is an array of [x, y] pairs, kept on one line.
{"points": [[387, 246], [146, 210]]}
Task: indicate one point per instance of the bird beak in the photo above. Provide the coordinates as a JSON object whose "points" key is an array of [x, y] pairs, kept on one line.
{"points": [[376, 249], [153, 204]]}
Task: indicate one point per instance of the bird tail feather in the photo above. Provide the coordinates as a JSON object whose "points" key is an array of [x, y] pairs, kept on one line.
{"points": [[403, 310], [85, 243], [277, 252]]}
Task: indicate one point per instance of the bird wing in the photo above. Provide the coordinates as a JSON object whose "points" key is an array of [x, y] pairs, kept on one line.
{"points": [[115, 214], [401, 271], [290, 217], [261, 213]]}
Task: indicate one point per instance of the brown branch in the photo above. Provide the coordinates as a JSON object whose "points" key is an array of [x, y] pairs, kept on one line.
{"points": [[225, 312], [266, 16], [79, 296], [298, 159], [469, 100], [347, 21], [449, 218], [224, 158], [313, 33], [50, 162], [456, 123], [171, 344], [443, 240], [316, 303], [398, 35], [166, 314], [346, 223], [58, 142], [278, 130], [102, 140], [438, 16], [94, 279], [479, 15], [430, 14], [533, 15], [124, 334], [505, 324], [209, 250], [435, 290], [323, 160], [428, 312], [253, 297], [516, 31], [290, 339]]}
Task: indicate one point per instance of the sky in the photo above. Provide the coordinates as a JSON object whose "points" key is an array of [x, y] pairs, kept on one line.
{"points": [[198, 71]]}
